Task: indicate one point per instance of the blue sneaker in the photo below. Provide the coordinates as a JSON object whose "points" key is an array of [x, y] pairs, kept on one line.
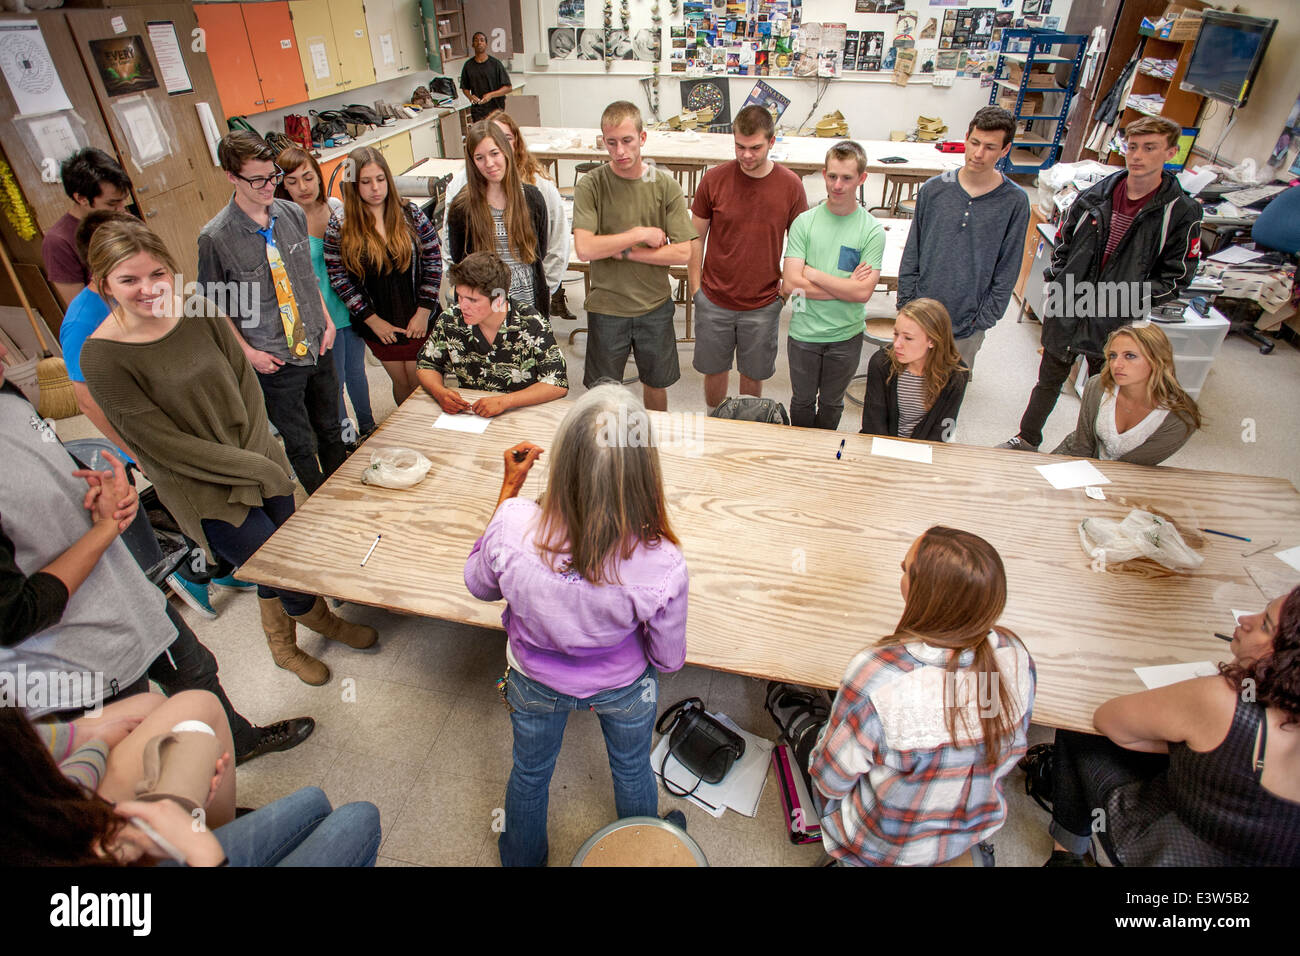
{"points": [[195, 595], [230, 583]]}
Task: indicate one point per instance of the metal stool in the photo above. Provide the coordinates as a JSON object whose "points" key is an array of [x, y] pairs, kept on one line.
{"points": [[640, 841]]}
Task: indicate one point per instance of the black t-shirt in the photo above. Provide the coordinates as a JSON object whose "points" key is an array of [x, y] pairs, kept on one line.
{"points": [[480, 78]]}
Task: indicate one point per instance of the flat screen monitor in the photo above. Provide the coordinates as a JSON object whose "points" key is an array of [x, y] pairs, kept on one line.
{"points": [[1227, 55]]}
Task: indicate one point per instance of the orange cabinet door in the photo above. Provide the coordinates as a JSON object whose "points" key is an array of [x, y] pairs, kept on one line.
{"points": [[275, 51], [327, 170], [231, 59]]}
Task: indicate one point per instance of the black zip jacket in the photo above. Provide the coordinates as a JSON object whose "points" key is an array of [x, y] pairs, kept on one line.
{"points": [[1161, 248], [880, 406]]}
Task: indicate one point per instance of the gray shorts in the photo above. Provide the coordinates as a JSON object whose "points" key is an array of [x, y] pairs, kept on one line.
{"points": [[651, 337], [752, 336]]}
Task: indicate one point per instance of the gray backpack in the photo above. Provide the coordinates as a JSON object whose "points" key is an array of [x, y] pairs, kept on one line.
{"points": [[747, 408]]}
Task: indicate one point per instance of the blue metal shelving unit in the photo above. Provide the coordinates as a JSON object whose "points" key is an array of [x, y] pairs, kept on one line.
{"points": [[1032, 48]]}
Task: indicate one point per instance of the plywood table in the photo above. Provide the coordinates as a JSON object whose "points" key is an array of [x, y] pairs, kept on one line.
{"points": [[802, 154], [794, 555]]}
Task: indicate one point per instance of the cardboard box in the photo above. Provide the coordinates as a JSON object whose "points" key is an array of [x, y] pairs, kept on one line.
{"points": [[1184, 26], [1032, 105], [1039, 79]]}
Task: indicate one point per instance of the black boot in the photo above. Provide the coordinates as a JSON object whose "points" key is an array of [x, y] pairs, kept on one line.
{"points": [[560, 307]]}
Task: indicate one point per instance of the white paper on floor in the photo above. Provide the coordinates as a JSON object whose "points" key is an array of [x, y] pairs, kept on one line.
{"points": [[740, 789], [1165, 674], [464, 422]]}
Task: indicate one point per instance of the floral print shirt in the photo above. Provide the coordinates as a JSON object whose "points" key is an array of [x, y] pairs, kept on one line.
{"points": [[523, 353]]}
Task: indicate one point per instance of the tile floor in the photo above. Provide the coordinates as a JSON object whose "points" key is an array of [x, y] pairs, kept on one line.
{"points": [[415, 725]]}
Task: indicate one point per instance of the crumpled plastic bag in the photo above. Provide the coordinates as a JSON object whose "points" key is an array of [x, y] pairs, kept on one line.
{"points": [[396, 468], [1140, 535]]}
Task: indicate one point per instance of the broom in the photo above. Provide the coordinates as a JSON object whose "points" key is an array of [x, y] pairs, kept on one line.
{"points": [[57, 398]]}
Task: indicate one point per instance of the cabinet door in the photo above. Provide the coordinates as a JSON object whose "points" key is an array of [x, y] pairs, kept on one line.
{"points": [[410, 36], [424, 142], [397, 150], [353, 43], [385, 48], [231, 59], [327, 170], [177, 216], [275, 52], [429, 27], [319, 55]]}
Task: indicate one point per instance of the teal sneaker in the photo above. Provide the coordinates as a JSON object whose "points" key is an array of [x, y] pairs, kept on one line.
{"points": [[230, 583], [195, 595]]}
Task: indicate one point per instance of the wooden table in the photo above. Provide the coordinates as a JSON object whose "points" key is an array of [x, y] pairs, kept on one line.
{"points": [[802, 154], [437, 167], [794, 555]]}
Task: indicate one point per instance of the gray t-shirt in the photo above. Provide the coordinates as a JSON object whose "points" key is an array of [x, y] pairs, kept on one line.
{"points": [[115, 625]]}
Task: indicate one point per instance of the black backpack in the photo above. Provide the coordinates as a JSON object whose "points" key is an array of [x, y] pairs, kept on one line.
{"points": [[327, 125], [747, 408], [443, 87], [361, 115]]}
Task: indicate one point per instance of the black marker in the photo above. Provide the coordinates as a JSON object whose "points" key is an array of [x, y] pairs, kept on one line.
{"points": [[519, 456], [1223, 637]]}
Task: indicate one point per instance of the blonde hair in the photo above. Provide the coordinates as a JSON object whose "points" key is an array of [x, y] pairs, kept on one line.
{"points": [[1163, 390], [360, 245], [943, 360], [605, 494], [118, 240], [619, 112]]}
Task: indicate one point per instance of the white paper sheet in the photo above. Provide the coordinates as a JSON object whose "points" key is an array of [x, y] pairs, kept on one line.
{"points": [[464, 422], [54, 135], [740, 790], [29, 70], [1291, 556], [1165, 674], [319, 59], [386, 48], [1095, 493], [1072, 474], [171, 62], [1234, 254], [906, 450], [211, 132]]}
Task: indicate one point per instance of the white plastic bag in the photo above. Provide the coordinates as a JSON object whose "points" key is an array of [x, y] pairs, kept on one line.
{"points": [[1140, 535], [396, 468]]}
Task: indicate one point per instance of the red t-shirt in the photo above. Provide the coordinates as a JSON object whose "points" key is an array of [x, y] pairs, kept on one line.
{"points": [[59, 250], [748, 219], [1122, 213]]}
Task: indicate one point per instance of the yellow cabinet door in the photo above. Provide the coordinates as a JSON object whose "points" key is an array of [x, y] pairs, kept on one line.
{"points": [[385, 46], [397, 150], [319, 53], [410, 36], [353, 41]]}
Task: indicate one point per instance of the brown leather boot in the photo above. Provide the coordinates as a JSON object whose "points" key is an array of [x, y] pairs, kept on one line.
{"points": [[280, 637], [560, 305], [323, 621]]}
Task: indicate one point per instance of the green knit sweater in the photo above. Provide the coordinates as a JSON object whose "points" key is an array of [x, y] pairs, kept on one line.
{"points": [[190, 407]]}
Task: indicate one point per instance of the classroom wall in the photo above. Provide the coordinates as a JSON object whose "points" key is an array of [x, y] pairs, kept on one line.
{"points": [[1276, 87], [573, 93]]}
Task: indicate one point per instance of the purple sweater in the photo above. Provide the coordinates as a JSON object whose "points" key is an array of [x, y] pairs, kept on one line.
{"points": [[576, 637]]}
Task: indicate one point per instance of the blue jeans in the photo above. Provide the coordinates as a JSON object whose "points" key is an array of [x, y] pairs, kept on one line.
{"points": [[302, 830], [237, 545], [350, 366], [627, 717]]}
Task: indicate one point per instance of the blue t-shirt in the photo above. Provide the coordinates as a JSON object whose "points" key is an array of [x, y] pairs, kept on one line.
{"points": [[84, 315]]}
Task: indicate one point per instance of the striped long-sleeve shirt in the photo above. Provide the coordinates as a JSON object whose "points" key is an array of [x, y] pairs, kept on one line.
{"points": [[351, 288], [898, 791], [84, 764]]}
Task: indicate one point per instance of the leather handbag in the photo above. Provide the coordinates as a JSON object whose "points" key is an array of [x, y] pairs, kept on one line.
{"points": [[699, 742]]}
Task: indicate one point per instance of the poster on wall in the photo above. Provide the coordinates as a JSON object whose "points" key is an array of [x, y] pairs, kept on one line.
{"points": [[123, 64], [29, 70], [563, 41], [870, 47], [171, 62], [709, 93], [905, 30], [571, 13]]}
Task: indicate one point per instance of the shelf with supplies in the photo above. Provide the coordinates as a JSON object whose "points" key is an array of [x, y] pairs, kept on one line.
{"points": [[1024, 90]]}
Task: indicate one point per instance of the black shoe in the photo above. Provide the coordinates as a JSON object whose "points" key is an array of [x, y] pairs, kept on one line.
{"points": [[1064, 858], [560, 306], [282, 735], [676, 818]]}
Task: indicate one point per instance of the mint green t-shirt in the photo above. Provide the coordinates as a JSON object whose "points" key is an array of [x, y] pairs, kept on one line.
{"points": [[835, 245]]}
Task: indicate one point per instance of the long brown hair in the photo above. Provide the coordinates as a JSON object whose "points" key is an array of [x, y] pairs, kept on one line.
{"points": [[605, 494], [48, 819], [290, 158], [1163, 390], [957, 590], [472, 201], [1276, 675], [530, 170], [944, 359], [360, 245]]}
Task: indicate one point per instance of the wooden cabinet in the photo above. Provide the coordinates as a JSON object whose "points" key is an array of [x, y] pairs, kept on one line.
{"points": [[397, 150], [314, 31], [231, 56], [425, 143], [275, 53], [179, 234], [353, 42], [327, 170], [413, 56], [385, 49]]}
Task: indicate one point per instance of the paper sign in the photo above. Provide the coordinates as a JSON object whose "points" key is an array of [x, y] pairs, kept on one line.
{"points": [[386, 47], [286, 44], [320, 62], [171, 63], [29, 70], [464, 422], [1095, 493], [906, 450], [1072, 474], [1165, 674], [1291, 556], [118, 24], [55, 138]]}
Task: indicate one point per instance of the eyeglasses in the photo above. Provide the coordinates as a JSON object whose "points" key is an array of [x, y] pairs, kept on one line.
{"points": [[260, 182]]}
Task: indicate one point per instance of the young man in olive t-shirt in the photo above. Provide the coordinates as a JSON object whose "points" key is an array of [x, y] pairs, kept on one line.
{"points": [[630, 222], [832, 265], [743, 209]]}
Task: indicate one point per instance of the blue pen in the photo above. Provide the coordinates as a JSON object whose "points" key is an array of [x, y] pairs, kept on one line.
{"points": [[1224, 534], [841, 451]]}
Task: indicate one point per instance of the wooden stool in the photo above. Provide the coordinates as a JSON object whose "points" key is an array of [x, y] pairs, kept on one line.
{"points": [[894, 185], [640, 841], [687, 176]]}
